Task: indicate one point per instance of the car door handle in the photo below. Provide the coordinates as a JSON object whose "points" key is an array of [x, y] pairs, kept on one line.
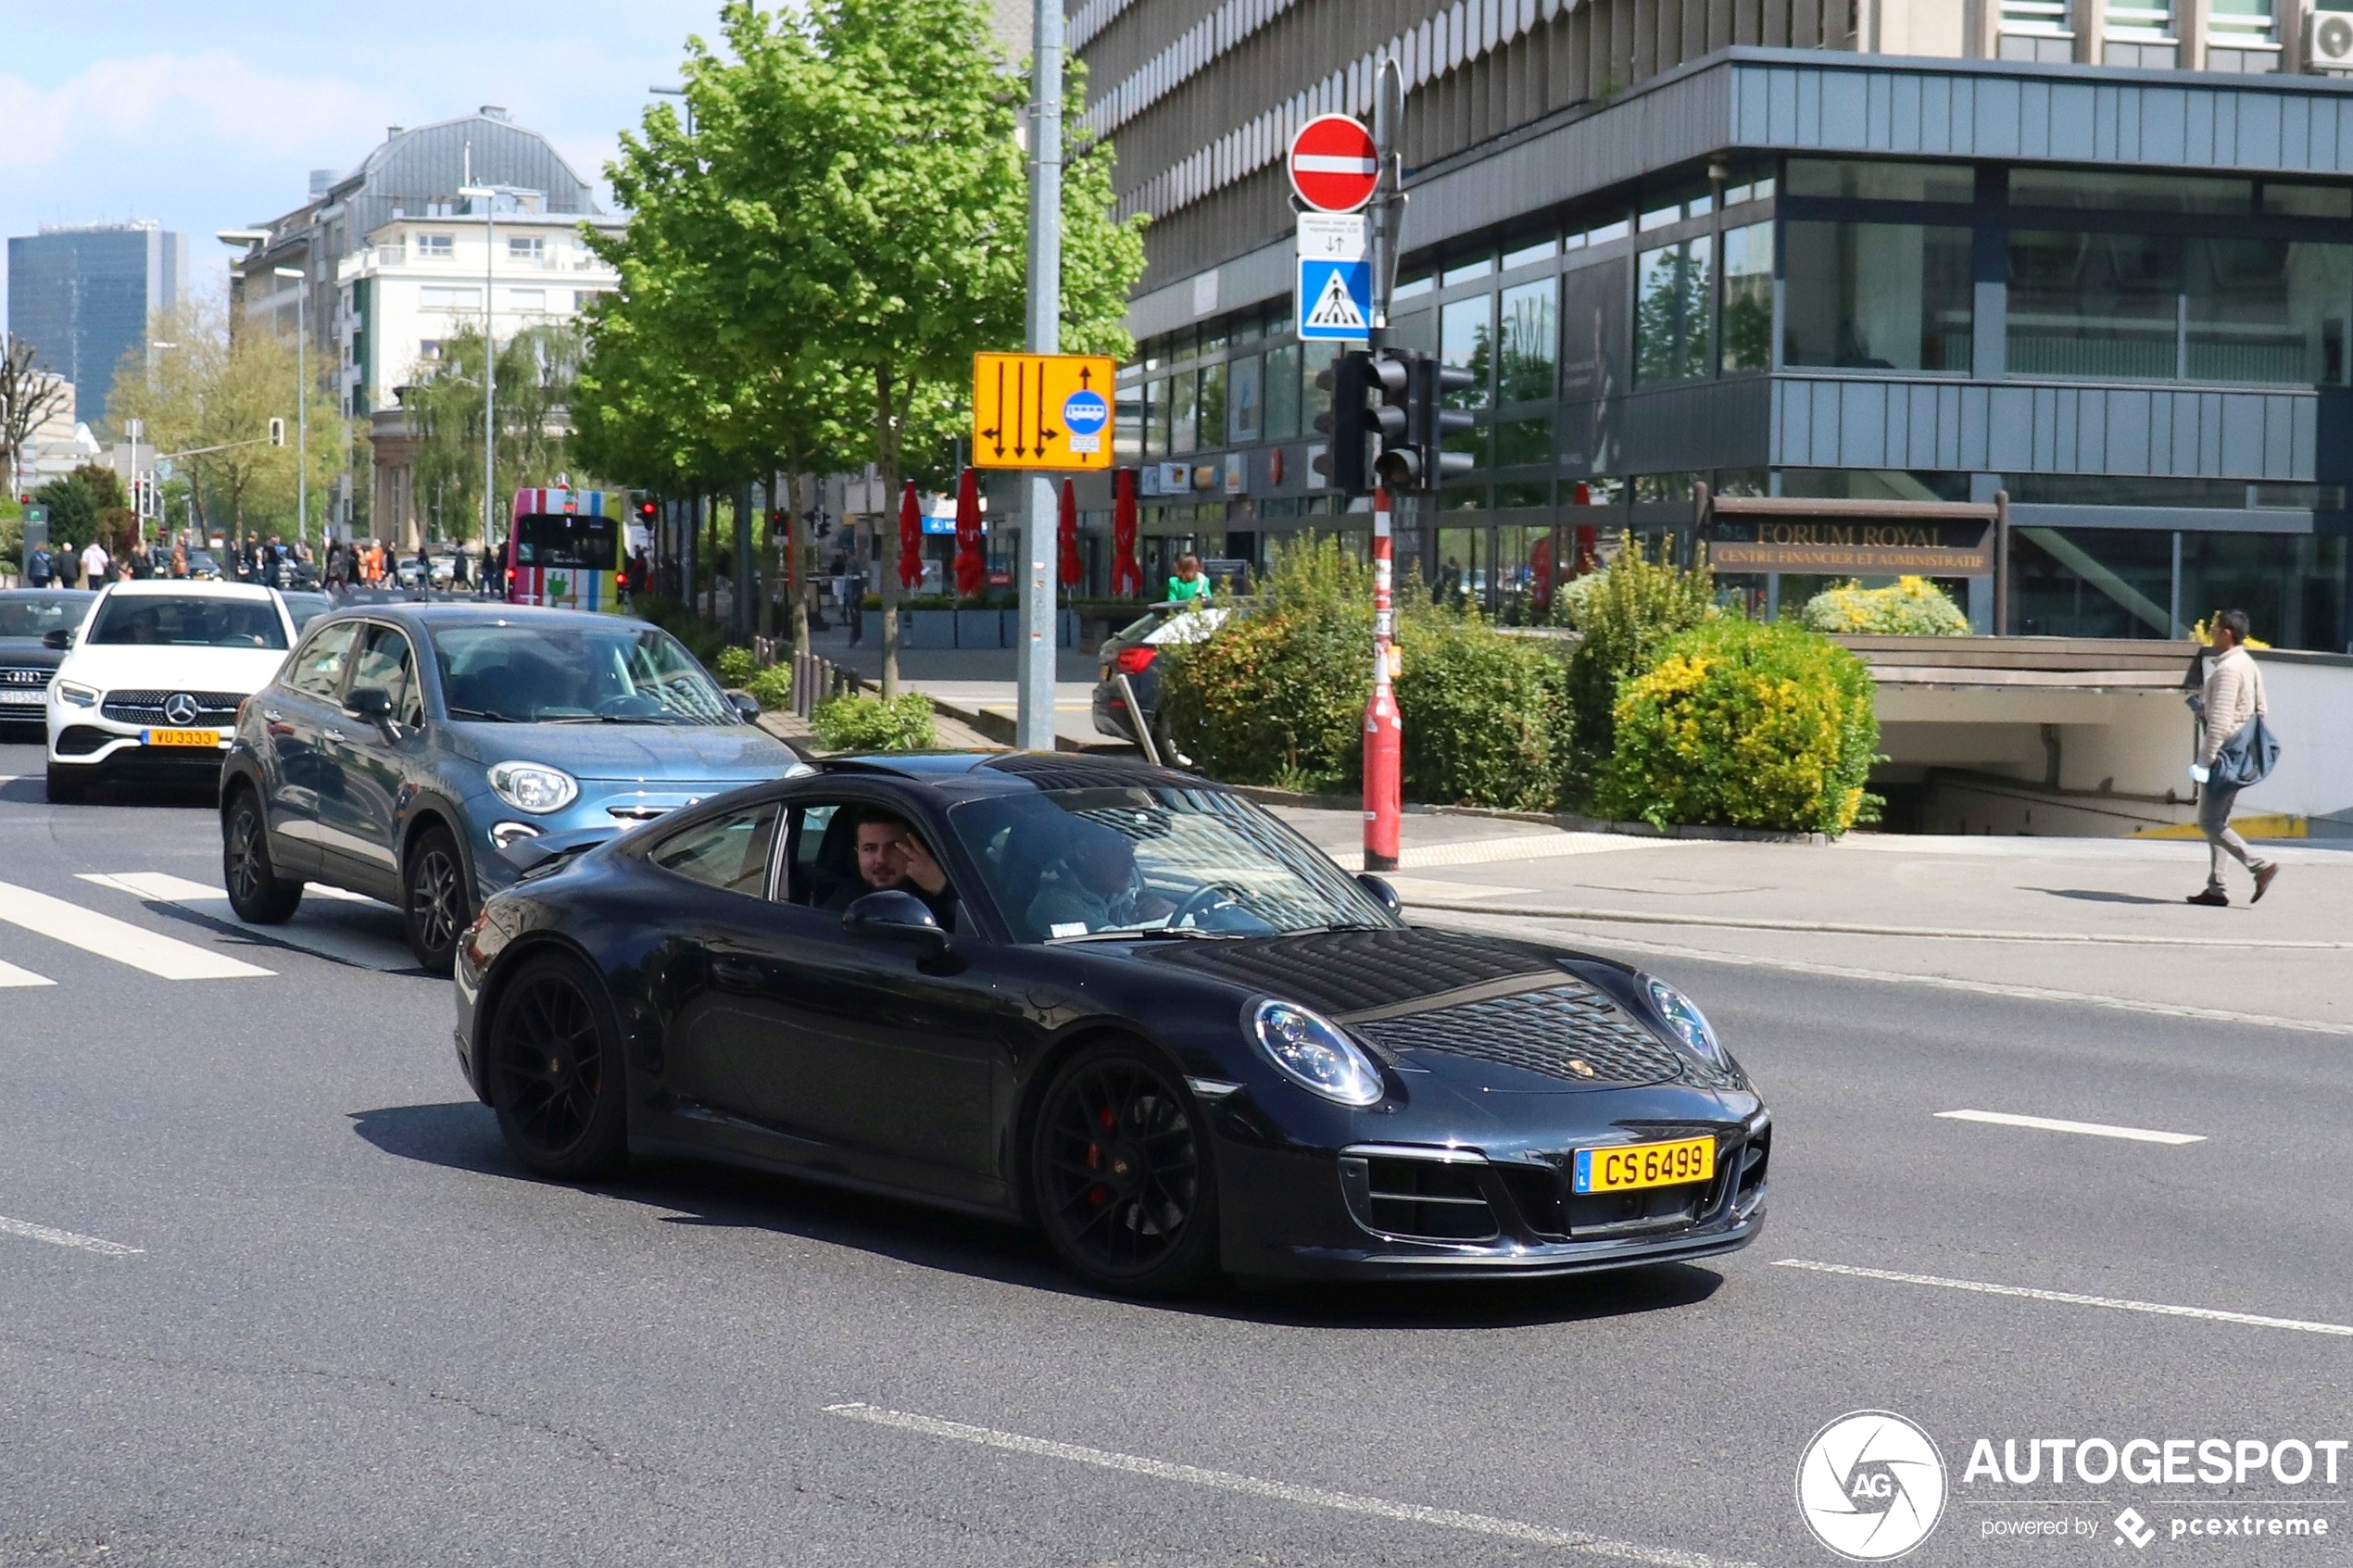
{"points": [[335, 735], [735, 972]]}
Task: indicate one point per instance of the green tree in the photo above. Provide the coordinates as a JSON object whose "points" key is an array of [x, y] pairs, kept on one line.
{"points": [[538, 371], [814, 268]]}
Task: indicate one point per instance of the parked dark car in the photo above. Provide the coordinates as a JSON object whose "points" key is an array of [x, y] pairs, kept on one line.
{"points": [[403, 747], [27, 615], [1139, 1012], [1134, 651]]}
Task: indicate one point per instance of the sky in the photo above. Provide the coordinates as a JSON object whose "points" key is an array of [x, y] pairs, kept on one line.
{"points": [[204, 116]]}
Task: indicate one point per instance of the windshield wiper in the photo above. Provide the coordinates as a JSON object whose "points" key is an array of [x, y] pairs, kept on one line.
{"points": [[480, 713], [1155, 934]]}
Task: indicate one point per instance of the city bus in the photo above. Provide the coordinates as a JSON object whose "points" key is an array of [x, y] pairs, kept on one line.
{"points": [[563, 548]]}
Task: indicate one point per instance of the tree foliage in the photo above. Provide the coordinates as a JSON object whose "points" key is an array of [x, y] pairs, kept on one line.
{"points": [[538, 369], [1627, 611], [29, 395]]}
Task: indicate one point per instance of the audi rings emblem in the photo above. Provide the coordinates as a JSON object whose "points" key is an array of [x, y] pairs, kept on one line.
{"points": [[179, 707]]}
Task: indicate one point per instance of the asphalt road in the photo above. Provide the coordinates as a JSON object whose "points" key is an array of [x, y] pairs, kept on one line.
{"points": [[354, 1332]]}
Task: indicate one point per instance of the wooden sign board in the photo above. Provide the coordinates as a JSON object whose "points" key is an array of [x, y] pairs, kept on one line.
{"points": [[1042, 411]]}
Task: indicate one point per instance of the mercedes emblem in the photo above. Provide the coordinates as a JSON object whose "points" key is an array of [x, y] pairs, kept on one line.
{"points": [[179, 707]]}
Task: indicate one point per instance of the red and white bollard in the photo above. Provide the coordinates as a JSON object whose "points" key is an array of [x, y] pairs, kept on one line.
{"points": [[1384, 733]]}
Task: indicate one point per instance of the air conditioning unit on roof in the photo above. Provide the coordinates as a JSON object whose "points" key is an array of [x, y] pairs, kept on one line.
{"points": [[2331, 40]]}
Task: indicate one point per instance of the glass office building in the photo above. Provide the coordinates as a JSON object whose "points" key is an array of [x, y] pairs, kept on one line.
{"points": [[83, 298], [2121, 297]]}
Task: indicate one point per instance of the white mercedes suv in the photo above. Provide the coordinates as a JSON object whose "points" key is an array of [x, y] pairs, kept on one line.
{"points": [[152, 679]]}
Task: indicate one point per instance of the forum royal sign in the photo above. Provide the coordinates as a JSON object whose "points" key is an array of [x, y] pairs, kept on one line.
{"points": [[1856, 548]]}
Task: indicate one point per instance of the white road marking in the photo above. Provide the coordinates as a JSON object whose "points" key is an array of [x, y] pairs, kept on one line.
{"points": [[1838, 928], [164, 957], [1416, 889], [2054, 1125], [1284, 1491], [1948, 983], [11, 977], [2071, 1299], [343, 936], [55, 1237]]}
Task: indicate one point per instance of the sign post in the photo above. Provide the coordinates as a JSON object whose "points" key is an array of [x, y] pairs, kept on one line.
{"points": [[1034, 721], [1384, 729]]}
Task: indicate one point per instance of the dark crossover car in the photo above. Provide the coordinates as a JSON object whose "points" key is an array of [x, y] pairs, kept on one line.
{"points": [[28, 615], [1135, 1010], [402, 748], [1134, 651]]}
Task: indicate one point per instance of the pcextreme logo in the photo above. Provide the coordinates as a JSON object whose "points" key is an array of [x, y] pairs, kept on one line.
{"points": [[1871, 1485]]}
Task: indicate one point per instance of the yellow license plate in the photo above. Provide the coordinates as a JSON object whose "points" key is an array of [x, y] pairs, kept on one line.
{"points": [[208, 739], [1634, 1166]]}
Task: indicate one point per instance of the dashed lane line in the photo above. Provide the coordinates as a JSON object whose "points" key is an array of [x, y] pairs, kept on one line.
{"points": [[2054, 1124], [164, 957], [1284, 1491], [1948, 983], [2071, 1299], [57, 1237]]}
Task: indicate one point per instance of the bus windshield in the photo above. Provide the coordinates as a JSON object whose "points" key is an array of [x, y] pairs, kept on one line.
{"points": [[575, 540]]}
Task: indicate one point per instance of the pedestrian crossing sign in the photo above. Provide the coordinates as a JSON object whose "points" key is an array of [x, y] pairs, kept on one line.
{"points": [[1335, 278]]}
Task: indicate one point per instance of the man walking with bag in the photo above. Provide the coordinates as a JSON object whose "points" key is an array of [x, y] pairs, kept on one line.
{"points": [[2232, 754]]}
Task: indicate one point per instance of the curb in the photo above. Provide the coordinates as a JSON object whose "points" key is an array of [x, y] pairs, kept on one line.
{"points": [[1727, 923], [1567, 821]]}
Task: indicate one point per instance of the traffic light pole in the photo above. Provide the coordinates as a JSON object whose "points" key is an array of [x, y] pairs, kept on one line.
{"points": [[1034, 721], [1384, 732]]}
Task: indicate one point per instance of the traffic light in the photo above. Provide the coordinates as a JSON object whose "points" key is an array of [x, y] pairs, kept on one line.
{"points": [[647, 512], [1437, 421], [277, 433], [1350, 424]]}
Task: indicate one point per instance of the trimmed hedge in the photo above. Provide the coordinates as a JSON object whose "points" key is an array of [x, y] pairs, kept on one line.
{"points": [[1486, 716], [1746, 724], [1913, 607]]}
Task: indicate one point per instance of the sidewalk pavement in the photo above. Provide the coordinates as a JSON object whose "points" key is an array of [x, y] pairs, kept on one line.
{"points": [[2089, 917], [980, 680]]}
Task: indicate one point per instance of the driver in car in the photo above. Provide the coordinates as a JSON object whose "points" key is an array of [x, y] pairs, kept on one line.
{"points": [[892, 855], [1096, 887]]}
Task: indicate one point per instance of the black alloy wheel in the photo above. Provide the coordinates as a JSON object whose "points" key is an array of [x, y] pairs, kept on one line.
{"points": [[556, 1075], [433, 894], [1120, 1175], [255, 892]]}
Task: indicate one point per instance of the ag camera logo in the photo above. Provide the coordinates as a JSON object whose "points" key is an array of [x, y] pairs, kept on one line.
{"points": [[1871, 1485]]}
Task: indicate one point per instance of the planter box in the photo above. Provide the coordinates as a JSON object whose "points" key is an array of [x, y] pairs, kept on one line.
{"points": [[927, 628], [979, 628]]}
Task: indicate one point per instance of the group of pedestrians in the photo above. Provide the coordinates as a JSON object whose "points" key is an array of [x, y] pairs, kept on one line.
{"points": [[67, 567]]}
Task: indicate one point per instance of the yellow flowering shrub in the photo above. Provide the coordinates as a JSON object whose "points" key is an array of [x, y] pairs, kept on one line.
{"points": [[1913, 607], [1744, 724]]}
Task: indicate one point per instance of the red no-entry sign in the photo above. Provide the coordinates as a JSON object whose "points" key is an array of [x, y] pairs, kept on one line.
{"points": [[1333, 164]]}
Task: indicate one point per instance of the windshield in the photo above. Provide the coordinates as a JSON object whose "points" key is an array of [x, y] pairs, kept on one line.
{"points": [[1073, 863], [571, 539], [523, 674], [36, 615], [164, 621]]}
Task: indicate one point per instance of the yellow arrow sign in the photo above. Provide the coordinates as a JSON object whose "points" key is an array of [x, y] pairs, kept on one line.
{"points": [[1042, 410]]}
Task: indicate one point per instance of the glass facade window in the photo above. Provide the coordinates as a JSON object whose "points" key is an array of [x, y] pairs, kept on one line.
{"points": [[1469, 272], [1132, 417], [1159, 410], [1184, 426], [2106, 190], [1527, 254], [1530, 342], [1857, 179], [1467, 342], [2292, 585], [1245, 402], [1889, 297], [2094, 305], [2308, 201], [1411, 288], [1748, 297], [1210, 408], [1282, 393], [1875, 484], [1317, 357], [1519, 442], [1672, 338], [2266, 310]]}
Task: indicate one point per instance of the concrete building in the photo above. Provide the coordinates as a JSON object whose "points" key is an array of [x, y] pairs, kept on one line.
{"points": [[2094, 256], [82, 297], [371, 312]]}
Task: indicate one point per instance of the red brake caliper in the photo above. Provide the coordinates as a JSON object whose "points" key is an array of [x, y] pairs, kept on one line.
{"points": [[1100, 1194]]}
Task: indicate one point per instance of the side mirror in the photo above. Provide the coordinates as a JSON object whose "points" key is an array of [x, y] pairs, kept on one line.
{"points": [[371, 703], [895, 915], [1381, 891], [58, 640], [746, 708]]}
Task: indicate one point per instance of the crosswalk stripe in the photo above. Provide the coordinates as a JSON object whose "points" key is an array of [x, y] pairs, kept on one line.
{"points": [[10, 975], [336, 936], [164, 957]]}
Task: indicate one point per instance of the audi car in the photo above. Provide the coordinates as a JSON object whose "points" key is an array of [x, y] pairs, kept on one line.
{"points": [[27, 664], [149, 686], [403, 746], [1117, 1002]]}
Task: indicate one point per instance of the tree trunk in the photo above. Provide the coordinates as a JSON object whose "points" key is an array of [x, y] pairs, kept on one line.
{"points": [[887, 465], [797, 563]]}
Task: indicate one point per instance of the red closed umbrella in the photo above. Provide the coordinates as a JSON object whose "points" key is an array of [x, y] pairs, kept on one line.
{"points": [[911, 537], [1126, 576], [1070, 568], [972, 567]]}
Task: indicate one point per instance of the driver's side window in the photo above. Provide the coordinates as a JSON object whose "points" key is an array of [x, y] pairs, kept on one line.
{"points": [[317, 666]]}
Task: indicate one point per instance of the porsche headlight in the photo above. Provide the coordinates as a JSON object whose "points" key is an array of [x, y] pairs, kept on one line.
{"points": [[81, 696], [533, 786], [1684, 1019], [1312, 1053]]}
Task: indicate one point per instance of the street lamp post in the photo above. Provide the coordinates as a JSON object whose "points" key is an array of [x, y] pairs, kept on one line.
{"points": [[302, 400], [489, 197]]}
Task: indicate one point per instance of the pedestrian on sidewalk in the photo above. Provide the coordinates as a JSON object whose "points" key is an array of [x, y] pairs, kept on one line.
{"points": [[2232, 696]]}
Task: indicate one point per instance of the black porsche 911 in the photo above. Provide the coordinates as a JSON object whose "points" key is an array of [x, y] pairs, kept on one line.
{"points": [[1121, 1003]]}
